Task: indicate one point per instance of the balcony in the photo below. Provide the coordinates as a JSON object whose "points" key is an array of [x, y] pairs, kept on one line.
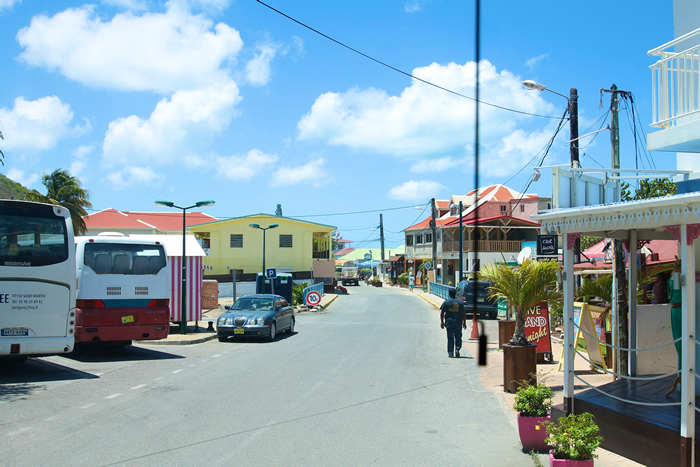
{"points": [[676, 96], [487, 246]]}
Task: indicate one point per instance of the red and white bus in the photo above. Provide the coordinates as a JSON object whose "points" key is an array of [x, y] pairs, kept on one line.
{"points": [[37, 280], [123, 290]]}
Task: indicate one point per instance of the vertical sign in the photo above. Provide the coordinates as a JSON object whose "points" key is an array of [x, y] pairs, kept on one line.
{"points": [[537, 328]]}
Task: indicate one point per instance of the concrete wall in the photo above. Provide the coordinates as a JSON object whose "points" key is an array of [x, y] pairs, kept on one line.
{"points": [[654, 328]]}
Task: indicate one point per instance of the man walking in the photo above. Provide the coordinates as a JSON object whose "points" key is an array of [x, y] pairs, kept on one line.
{"points": [[454, 318], [411, 281]]}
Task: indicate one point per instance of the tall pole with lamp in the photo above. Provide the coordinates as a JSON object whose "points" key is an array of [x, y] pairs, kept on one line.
{"points": [[264, 229], [183, 306]]}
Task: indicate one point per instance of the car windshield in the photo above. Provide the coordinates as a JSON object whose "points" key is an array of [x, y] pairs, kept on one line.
{"points": [[252, 303]]}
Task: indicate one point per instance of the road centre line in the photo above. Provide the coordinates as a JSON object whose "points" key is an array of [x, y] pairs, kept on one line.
{"points": [[114, 395], [91, 404], [139, 386], [216, 356], [177, 371], [20, 431]]}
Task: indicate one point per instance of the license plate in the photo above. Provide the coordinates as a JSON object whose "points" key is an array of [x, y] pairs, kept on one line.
{"points": [[15, 332], [239, 331], [479, 299], [127, 319]]}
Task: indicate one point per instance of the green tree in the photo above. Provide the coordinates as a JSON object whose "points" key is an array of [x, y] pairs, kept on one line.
{"points": [[278, 211], [63, 189], [655, 188]]}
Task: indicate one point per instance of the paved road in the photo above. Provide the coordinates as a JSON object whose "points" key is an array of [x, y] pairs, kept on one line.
{"points": [[365, 383]]}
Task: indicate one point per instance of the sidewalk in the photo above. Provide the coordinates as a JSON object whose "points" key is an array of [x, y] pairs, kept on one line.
{"points": [[491, 376], [206, 327]]}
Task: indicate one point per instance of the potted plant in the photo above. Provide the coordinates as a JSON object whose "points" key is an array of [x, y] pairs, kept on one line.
{"points": [[377, 282], [523, 287], [403, 280], [532, 402], [574, 440]]}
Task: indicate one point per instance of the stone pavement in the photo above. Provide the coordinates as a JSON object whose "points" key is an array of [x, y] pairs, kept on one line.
{"points": [[491, 377], [202, 331]]}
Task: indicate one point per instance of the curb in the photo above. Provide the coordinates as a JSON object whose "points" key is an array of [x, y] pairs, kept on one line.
{"points": [[437, 307], [200, 340]]}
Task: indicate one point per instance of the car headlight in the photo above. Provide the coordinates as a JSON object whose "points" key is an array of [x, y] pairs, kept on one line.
{"points": [[221, 321], [261, 321], [224, 321]]}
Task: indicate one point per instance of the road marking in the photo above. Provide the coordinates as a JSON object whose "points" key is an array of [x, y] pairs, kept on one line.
{"points": [[20, 431], [99, 374], [177, 371], [191, 365], [91, 404], [337, 367], [157, 379], [114, 395], [216, 356], [139, 386]]}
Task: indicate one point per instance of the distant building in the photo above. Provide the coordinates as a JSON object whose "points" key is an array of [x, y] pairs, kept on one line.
{"points": [[131, 222]]}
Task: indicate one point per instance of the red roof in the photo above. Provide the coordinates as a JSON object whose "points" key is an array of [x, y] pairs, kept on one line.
{"points": [[343, 252], [499, 193], [162, 221], [666, 249], [488, 219]]}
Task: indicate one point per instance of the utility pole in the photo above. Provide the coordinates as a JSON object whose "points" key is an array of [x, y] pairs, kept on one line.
{"points": [[573, 147], [381, 233], [434, 231], [618, 255], [461, 244]]}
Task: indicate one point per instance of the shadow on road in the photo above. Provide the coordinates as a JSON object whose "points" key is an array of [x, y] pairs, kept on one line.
{"points": [[259, 340], [25, 379], [101, 353]]}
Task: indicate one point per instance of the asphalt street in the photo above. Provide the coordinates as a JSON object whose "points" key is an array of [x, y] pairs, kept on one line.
{"points": [[367, 382]]}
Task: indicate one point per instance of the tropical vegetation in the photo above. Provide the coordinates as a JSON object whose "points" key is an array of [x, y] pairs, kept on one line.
{"points": [[575, 437], [65, 190], [523, 288], [533, 400]]}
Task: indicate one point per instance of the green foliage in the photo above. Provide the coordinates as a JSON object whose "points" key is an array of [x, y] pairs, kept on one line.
{"points": [[9, 189], [297, 294], [278, 211], [588, 241], [63, 189], [533, 400], [366, 271], [574, 437], [600, 289], [655, 188], [376, 281], [524, 287], [403, 278]]}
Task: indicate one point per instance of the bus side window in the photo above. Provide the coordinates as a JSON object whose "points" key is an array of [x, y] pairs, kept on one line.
{"points": [[103, 263]]}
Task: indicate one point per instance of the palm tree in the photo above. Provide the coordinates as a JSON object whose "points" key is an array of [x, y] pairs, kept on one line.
{"points": [[63, 189], [524, 287]]}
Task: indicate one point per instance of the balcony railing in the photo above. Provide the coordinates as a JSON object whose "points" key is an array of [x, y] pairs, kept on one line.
{"points": [[321, 254], [486, 246], [676, 99]]}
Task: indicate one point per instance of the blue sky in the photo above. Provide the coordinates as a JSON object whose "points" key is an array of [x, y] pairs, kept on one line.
{"points": [[189, 100]]}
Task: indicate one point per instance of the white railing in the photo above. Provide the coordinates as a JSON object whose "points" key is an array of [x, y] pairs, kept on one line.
{"points": [[676, 99]]}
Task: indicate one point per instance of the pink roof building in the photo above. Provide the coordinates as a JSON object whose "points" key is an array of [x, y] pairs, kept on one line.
{"points": [[130, 222]]}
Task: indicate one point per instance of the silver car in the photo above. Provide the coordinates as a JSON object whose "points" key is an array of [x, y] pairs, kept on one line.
{"points": [[260, 315]]}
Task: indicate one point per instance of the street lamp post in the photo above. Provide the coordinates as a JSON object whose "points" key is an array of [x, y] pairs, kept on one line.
{"points": [[256, 226], [183, 305]]}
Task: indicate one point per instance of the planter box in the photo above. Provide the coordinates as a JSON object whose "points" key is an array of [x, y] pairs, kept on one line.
{"points": [[506, 329], [567, 462], [532, 438], [519, 363]]}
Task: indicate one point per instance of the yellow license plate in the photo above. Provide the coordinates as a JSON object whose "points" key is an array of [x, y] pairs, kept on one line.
{"points": [[127, 319], [479, 299], [239, 331]]}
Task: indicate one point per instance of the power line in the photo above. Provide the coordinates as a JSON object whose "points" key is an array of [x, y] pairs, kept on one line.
{"points": [[398, 70]]}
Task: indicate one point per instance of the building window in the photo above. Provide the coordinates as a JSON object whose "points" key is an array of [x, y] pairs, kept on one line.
{"points": [[428, 238], [285, 241], [419, 239], [409, 240], [438, 235], [504, 209], [522, 208], [236, 240]]}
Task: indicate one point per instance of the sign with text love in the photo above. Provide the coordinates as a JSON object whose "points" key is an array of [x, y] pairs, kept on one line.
{"points": [[537, 328]]}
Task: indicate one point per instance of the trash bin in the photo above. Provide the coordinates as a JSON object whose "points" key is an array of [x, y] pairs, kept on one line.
{"points": [[283, 284]]}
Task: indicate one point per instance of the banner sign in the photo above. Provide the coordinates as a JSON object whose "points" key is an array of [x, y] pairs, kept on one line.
{"points": [[537, 328], [547, 245]]}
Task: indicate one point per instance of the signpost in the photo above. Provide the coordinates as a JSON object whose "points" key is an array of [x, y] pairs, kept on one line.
{"points": [[271, 274], [537, 329], [313, 298]]}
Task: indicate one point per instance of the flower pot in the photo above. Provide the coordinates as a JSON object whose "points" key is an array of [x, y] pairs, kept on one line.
{"points": [[532, 434], [506, 329], [567, 462], [519, 363]]}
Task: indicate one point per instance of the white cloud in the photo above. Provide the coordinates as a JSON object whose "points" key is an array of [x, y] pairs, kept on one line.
{"points": [[178, 129], [160, 52], [23, 178], [8, 3], [311, 173], [416, 190], [413, 6], [258, 69], [531, 63], [424, 121], [133, 5], [35, 125], [80, 161], [132, 177], [434, 165], [244, 167], [299, 46]]}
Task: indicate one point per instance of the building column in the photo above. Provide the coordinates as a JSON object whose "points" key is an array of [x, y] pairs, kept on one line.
{"points": [[632, 303], [687, 432], [569, 337]]}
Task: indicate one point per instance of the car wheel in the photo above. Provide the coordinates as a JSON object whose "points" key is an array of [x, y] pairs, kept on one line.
{"points": [[291, 327], [223, 338], [273, 331]]}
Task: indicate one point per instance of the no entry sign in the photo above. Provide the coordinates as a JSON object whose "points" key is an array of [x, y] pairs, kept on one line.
{"points": [[313, 298]]}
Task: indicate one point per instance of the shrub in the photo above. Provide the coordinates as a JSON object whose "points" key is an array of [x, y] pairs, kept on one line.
{"points": [[575, 437], [533, 400], [403, 278], [298, 294], [376, 280]]}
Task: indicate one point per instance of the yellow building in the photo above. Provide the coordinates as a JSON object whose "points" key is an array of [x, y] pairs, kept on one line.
{"points": [[294, 246]]}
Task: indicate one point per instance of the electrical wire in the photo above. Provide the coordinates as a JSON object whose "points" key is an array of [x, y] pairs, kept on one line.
{"points": [[398, 70]]}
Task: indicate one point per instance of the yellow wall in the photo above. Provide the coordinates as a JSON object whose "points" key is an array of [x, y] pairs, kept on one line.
{"points": [[222, 258]]}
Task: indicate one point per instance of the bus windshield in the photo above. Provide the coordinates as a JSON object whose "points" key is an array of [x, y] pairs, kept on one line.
{"points": [[32, 236], [124, 258]]}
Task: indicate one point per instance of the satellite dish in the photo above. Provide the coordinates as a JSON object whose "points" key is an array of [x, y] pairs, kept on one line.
{"points": [[524, 255]]}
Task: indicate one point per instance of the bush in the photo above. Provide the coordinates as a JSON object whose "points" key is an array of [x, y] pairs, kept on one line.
{"points": [[376, 280], [298, 294], [403, 278], [366, 271], [574, 438], [533, 400]]}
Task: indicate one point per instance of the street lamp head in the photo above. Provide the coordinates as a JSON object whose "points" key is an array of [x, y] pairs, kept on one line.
{"points": [[168, 204], [536, 175], [208, 202], [273, 226], [530, 84], [255, 226]]}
